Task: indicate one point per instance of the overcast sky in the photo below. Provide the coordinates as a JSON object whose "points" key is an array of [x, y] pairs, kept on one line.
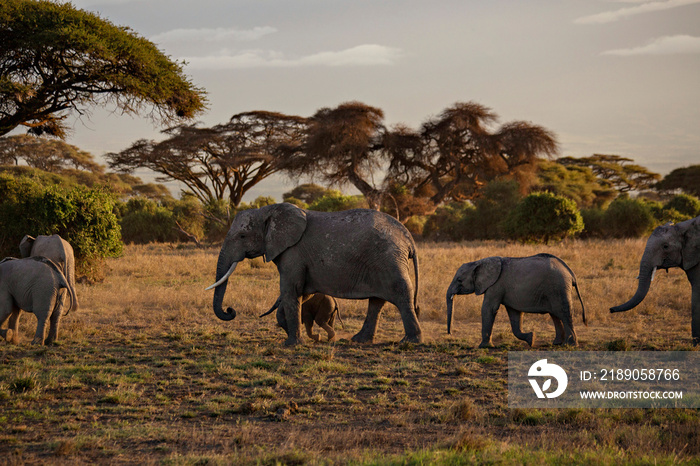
{"points": [[611, 77]]}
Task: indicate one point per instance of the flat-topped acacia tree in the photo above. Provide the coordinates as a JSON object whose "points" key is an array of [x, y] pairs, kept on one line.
{"points": [[55, 58]]}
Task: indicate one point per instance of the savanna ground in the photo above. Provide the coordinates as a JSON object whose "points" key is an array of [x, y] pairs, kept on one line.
{"points": [[145, 373]]}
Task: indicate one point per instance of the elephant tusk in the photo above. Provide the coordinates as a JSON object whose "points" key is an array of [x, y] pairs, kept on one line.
{"points": [[224, 278]]}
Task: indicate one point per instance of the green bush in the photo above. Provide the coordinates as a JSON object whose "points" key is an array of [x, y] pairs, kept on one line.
{"points": [[629, 218], [544, 217], [448, 222], [487, 221], [335, 201], [82, 216], [593, 223], [684, 204], [145, 221], [416, 224]]}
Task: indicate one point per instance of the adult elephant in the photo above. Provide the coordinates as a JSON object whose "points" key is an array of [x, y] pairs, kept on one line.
{"points": [[671, 246], [355, 254]]}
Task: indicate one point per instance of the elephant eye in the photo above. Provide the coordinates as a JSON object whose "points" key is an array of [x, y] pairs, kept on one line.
{"points": [[665, 246]]}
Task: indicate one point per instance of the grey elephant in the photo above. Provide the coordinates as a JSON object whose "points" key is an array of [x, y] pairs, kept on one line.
{"points": [[540, 284], [354, 254], [317, 308], [60, 252], [671, 246], [34, 285]]}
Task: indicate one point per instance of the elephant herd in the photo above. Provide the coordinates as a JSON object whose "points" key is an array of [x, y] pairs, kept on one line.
{"points": [[354, 254], [365, 254]]}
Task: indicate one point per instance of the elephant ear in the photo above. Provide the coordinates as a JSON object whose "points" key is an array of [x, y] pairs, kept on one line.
{"points": [[691, 243], [284, 228], [25, 246], [486, 274]]}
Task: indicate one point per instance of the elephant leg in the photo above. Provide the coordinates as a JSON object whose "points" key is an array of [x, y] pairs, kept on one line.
{"points": [[488, 317], [56, 317], [329, 330], [694, 278], [516, 323], [406, 307], [569, 333], [369, 328], [291, 307], [559, 328], [41, 318], [309, 324], [12, 332]]}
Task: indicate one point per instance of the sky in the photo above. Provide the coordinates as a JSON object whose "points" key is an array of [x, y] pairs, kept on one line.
{"points": [[606, 76]]}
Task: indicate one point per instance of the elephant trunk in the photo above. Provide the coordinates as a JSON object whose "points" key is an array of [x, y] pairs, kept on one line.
{"points": [[451, 291], [224, 269], [646, 275], [449, 314]]}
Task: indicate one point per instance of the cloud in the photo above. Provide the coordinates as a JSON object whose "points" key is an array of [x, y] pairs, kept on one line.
{"points": [[361, 55], [667, 45], [212, 35], [645, 7]]}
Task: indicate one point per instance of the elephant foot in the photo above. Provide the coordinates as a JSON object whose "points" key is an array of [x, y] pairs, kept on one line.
{"points": [[486, 344], [530, 338], [412, 339], [361, 338], [696, 341], [292, 341], [4, 334]]}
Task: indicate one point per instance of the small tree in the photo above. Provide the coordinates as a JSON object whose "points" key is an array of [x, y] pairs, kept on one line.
{"points": [[55, 58], [542, 217]]}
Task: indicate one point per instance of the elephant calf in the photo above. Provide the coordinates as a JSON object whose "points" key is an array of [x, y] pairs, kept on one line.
{"points": [[34, 285], [541, 284], [318, 308]]}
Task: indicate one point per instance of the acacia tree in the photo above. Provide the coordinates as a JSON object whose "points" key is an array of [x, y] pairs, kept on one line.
{"points": [[617, 172], [222, 162], [46, 154], [55, 58], [343, 145], [455, 154], [686, 178]]}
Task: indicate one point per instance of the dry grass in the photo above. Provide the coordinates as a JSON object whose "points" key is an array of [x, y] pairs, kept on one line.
{"points": [[145, 373]]}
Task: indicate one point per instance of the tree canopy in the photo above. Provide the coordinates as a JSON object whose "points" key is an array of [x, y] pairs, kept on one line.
{"points": [[55, 58], [222, 162], [686, 179], [456, 153], [620, 173]]}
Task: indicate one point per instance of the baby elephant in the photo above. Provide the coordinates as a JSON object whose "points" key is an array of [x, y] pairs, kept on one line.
{"points": [[541, 284], [34, 285], [318, 308]]}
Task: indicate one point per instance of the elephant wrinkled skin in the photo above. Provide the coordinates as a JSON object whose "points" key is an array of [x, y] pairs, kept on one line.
{"points": [[671, 246], [540, 284], [355, 254], [34, 285]]}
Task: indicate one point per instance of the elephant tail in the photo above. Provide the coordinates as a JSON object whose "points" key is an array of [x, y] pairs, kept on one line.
{"points": [[274, 306], [337, 311], [583, 308], [63, 281], [414, 256]]}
